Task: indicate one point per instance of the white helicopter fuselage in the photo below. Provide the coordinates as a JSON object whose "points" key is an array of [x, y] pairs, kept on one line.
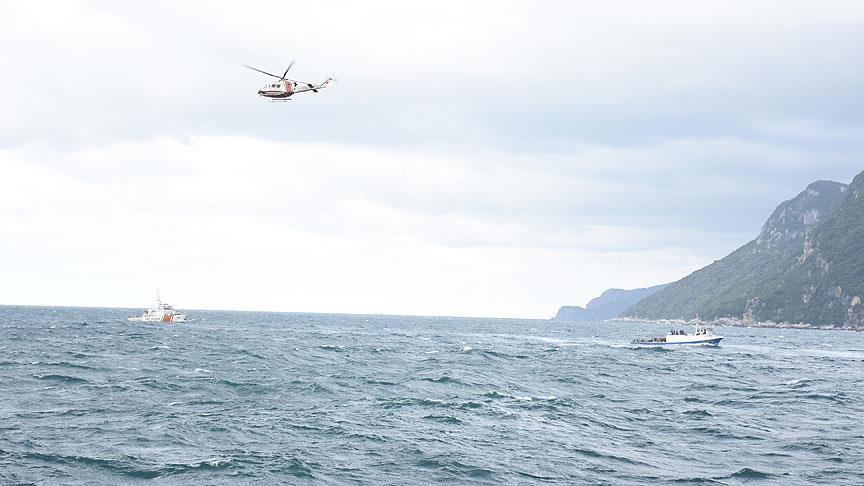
{"points": [[280, 89]]}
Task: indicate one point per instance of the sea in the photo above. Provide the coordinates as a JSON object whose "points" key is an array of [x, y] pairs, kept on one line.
{"points": [[87, 398]]}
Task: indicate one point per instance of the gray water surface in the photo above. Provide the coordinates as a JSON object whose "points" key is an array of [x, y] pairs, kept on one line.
{"points": [[279, 398]]}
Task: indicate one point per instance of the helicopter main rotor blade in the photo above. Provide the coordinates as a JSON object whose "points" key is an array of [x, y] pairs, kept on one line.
{"points": [[263, 72], [286, 70]]}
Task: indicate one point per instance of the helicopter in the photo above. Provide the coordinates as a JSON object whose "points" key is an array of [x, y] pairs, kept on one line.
{"points": [[284, 88]]}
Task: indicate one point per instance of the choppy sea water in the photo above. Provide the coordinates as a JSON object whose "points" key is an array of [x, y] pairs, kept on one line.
{"points": [[272, 398]]}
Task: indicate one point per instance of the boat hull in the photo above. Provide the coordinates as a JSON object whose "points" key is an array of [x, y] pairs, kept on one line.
{"points": [[166, 318], [707, 341]]}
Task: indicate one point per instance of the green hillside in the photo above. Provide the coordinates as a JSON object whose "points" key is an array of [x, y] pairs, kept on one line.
{"points": [[806, 265]]}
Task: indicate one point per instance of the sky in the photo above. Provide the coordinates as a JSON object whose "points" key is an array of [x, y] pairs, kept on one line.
{"points": [[473, 158]]}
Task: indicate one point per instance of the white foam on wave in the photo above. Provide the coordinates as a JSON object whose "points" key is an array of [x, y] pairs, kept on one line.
{"points": [[529, 398], [431, 352], [212, 462], [467, 349], [521, 398], [202, 370]]}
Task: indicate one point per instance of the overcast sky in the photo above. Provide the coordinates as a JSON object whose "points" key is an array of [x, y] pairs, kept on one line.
{"points": [[474, 158]]}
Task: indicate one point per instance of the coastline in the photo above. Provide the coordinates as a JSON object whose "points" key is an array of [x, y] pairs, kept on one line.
{"points": [[735, 322]]}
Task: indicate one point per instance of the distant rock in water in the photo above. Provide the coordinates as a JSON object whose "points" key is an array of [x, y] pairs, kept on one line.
{"points": [[806, 266], [609, 305]]}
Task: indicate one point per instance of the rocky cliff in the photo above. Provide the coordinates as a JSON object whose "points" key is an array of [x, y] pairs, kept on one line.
{"points": [[806, 265]]}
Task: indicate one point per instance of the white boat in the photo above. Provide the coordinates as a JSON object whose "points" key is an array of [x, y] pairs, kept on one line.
{"points": [[704, 336], [162, 312]]}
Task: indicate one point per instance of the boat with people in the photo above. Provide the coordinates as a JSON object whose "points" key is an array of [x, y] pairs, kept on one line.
{"points": [[161, 312], [703, 336]]}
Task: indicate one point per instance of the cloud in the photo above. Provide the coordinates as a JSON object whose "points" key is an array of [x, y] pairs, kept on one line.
{"points": [[475, 158], [362, 229], [478, 74]]}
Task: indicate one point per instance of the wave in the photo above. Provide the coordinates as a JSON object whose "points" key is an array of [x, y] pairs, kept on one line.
{"points": [[444, 380], [247, 387], [128, 466], [455, 467], [538, 477], [831, 397], [698, 413], [67, 364], [604, 455], [521, 398], [379, 382], [748, 473], [407, 402], [62, 378], [332, 347], [447, 419], [499, 354]]}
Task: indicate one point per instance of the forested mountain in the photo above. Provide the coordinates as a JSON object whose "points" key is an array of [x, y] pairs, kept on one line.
{"points": [[806, 265], [609, 305]]}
